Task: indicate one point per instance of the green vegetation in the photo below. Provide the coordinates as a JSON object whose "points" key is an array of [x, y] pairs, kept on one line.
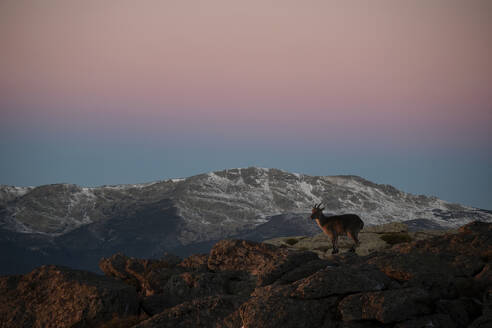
{"points": [[291, 241], [396, 238]]}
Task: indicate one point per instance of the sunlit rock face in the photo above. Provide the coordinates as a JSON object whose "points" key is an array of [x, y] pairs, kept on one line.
{"points": [[440, 281]]}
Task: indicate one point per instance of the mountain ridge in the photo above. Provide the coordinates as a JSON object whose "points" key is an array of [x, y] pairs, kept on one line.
{"points": [[71, 225]]}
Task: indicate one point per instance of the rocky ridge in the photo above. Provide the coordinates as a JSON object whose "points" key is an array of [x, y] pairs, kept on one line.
{"points": [[70, 225], [440, 281], [222, 203]]}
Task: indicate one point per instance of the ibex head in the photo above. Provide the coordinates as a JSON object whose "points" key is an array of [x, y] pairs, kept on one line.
{"points": [[317, 211]]}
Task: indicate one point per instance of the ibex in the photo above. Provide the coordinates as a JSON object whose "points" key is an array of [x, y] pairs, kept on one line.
{"points": [[334, 226]]}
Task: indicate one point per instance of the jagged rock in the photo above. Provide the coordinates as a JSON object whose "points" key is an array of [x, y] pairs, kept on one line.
{"points": [[273, 306], [485, 320], [202, 312], [450, 265], [197, 262], [190, 285], [385, 306], [433, 320], [463, 311], [147, 276], [340, 281], [264, 261], [305, 270], [52, 296], [386, 228], [444, 281], [155, 304]]}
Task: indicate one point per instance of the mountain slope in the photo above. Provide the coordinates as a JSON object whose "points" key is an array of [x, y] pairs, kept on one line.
{"points": [[63, 222]]}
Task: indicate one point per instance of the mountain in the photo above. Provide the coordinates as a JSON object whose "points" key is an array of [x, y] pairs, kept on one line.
{"points": [[71, 225]]}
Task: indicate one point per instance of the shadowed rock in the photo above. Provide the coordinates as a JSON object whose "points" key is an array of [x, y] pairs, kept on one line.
{"points": [[201, 312], [385, 306], [147, 276]]}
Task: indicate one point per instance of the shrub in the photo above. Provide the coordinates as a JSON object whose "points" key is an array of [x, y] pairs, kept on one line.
{"points": [[396, 238]]}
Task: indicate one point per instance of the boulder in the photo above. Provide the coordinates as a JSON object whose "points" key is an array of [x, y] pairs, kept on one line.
{"points": [[463, 310], [266, 262], [147, 276], [202, 312], [198, 262], [433, 320], [52, 296], [273, 306], [386, 228], [386, 306], [340, 281]]}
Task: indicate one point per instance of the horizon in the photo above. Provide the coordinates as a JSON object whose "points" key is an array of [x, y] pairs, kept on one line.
{"points": [[116, 92]]}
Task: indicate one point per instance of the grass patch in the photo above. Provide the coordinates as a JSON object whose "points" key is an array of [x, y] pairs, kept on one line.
{"points": [[291, 241], [396, 238], [322, 248]]}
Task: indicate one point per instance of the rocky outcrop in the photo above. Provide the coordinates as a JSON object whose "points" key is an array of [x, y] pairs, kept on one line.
{"points": [[147, 276], [265, 262], [440, 281], [52, 296], [200, 312], [373, 238]]}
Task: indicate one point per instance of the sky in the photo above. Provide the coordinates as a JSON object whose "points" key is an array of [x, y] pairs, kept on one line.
{"points": [[120, 91]]}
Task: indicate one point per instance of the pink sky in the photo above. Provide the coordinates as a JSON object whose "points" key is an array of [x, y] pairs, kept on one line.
{"points": [[114, 91], [275, 62], [270, 64]]}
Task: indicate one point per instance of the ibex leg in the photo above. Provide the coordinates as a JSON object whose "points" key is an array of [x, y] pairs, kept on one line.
{"points": [[355, 237], [334, 242]]}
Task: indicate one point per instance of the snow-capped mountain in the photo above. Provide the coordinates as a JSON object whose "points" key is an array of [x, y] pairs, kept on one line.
{"points": [[148, 219]]}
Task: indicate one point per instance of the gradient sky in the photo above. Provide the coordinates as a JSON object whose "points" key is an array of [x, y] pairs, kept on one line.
{"points": [[117, 91]]}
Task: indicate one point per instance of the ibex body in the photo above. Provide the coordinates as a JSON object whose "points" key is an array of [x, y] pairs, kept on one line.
{"points": [[338, 225]]}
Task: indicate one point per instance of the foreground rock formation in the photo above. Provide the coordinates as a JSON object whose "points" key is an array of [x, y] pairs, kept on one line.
{"points": [[440, 281]]}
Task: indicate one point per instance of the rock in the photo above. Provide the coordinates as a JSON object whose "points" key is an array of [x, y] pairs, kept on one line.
{"points": [[52, 296], [195, 263], [272, 307], [370, 240], [189, 285], [339, 281], [485, 320], [147, 276], [155, 304], [443, 281], [450, 265], [433, 320], [412, 266], [266, 262], [386, 228], [385, 306], [304, 270], [463, 311], [201, 312]]}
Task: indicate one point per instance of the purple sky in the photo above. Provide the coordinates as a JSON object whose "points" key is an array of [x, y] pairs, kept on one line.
{"points": [[95, 92]]}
